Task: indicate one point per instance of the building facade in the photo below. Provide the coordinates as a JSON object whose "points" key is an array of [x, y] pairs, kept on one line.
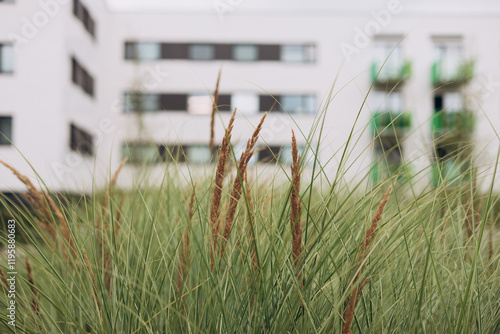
{"points": [[408, 86]]}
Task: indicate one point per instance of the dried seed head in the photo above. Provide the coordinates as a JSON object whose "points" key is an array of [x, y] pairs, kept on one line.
{"points": [[236, 190]]}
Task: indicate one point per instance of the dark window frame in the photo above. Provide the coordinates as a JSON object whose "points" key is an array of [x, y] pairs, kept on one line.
{"points": [[81, 12], [7, 141], [81, 141], [81, 77]]}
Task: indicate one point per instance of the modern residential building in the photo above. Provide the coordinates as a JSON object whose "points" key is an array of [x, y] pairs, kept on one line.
{"points": [[415, 85]]}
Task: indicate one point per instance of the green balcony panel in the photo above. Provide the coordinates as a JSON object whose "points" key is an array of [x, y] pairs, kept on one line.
{"points": [[390, 74], [458, 121], [382, 170], [459, 75], [453, 172], [382, 120]]}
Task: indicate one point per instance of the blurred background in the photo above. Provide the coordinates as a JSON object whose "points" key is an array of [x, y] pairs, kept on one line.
{"points": [[413, 86]]}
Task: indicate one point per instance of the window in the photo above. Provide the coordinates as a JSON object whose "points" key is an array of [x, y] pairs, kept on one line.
{"points": [[81, 12], [5, 130], [297, 53], [137, 153], [450, 101], [299, 104], [383, 101], [81, 77], [448, 55], [199, 104], [201, 52], [269, 52], [223, 51], [390, 52], [387, 157], [81, 141], [142, 50], [173, 153], [173, 102], [269, 154], [198, 154], [141, 102], [174, 51], [270, 103], [247, 103], [245, 52], [6, 58], [224, 103]]}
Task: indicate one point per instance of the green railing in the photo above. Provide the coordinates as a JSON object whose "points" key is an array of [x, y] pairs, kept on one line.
{"points": [[382, 120], [458, 121], [389, 74], [460, 75], [451, 171], [382, 169]]}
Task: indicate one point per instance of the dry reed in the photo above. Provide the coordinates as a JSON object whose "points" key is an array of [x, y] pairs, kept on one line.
{"points": [[295, 209], [251, 227], [34, 303], [217, 193], [94, 283], [214, 112], [45, 205], [355, 287], [185, 249], [237, 185]]}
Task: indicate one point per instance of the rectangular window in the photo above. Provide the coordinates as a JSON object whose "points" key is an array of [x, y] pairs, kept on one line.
{"points": [[298, 53], [81, 141], [448, 56], [198, 154], [246, 102], [81, 77], [269, 52], [453, 102], [269, 154], [382, 101], [138, 153], [270, 103], [299, 104], [388, 51], [245, 52], [224, 103], [387, 156], [174, 51], [201, 52], [143, 51], [200, 104], [223, 51], [5, 130], [173, 102], [141, 102], [81, 12], [173, 153], [6, 58]]}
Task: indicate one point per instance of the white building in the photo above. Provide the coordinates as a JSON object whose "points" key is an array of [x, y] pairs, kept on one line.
{"points": [[73, 75]]}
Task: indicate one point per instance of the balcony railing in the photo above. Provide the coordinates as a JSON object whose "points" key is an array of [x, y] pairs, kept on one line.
{"points": [[451, 171], [457, 75], [460, 122], [386, 120], [382, 170], [390, 74]]}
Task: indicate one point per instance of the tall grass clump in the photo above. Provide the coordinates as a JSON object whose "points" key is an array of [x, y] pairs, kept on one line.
{"points": [[303, 248]]}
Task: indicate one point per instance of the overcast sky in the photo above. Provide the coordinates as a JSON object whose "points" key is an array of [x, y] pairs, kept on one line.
{"points": [[204, 5]]}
